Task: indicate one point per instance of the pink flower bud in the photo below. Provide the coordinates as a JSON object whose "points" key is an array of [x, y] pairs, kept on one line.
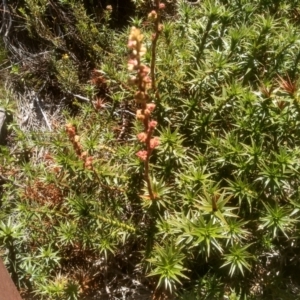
{"points": [[88, 164], [154, 142], [144, 70], [152, 124], [147, 79], [142, 155], [142, 136], [162, 6], [131, 44], [146, 112], [132, 63], [151, 107], [139, 115], [84, 154], [152, 15]]}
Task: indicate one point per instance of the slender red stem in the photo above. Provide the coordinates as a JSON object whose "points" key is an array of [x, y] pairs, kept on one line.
{"points": [[154, 45]]}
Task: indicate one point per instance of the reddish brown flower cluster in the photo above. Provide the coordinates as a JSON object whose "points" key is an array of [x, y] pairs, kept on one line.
{"points": [[75, 140], [87, 160], [143, 82], [144, 78], [150, 142], [141, 79]]}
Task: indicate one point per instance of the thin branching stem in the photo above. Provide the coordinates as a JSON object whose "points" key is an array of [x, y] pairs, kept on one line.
{"points": [[154, 45]]}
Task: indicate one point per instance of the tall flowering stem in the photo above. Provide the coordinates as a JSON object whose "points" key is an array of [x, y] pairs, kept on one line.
{"points": [[155, 15], [75, 140], [140, 77]]}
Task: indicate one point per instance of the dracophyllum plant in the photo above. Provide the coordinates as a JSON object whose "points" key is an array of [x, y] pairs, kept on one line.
{"points": [[143, 78]]}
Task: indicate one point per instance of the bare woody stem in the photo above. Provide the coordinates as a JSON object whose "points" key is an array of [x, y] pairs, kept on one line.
{"points": [[147, 179], [154, 44], [147, 163]]}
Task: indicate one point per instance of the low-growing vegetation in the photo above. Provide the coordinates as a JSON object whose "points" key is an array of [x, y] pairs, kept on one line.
{"points": [[152, 149]]}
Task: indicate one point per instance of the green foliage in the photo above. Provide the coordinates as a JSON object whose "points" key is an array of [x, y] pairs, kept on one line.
{"points": [[166, 262], [237, 259], [76, 215]]}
